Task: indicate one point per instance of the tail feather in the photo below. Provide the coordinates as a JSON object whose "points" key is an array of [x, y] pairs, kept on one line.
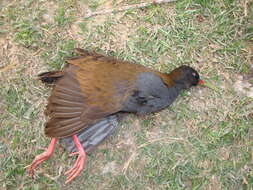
{"points": [[93, 135], [50, 77]]}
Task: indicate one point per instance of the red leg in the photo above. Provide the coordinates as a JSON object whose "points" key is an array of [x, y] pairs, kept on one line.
{"points": [[79, 165], [42, 157]]}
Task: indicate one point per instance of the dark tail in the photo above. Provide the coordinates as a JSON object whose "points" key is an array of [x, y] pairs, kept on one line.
{"points": [[50, 77], [93, 135]]}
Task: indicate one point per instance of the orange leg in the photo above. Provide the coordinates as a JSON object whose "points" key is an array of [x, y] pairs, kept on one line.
{"points": [[42, 157], [79, 165]]}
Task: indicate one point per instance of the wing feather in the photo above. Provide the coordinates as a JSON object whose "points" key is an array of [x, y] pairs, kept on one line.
{"points": [[66, 115], [68, 108], [91, 87]]}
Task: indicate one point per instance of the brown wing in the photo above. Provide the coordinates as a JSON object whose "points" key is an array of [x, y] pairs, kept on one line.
{"points": [[92, 87], [105, 81]]}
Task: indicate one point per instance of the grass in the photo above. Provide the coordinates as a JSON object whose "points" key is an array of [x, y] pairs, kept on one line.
{"points": [[203, 141]]}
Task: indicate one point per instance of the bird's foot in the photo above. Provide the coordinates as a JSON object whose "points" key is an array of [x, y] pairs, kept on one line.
{"points": [[79, 165], [41, 158]]}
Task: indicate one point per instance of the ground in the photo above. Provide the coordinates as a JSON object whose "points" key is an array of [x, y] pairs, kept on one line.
{"points": [[202, 141]]}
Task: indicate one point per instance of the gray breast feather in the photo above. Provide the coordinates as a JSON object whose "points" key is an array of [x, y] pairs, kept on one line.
{"points": [[151, 95]]}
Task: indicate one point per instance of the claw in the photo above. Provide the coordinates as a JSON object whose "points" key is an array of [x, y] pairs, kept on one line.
{"points": [[41, 158]]}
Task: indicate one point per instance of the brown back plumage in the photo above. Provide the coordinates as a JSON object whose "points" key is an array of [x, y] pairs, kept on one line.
{"points": [[89, 88]]}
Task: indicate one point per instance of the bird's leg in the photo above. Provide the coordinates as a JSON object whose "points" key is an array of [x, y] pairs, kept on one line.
{"points": [[79, 165], [42, 157]]}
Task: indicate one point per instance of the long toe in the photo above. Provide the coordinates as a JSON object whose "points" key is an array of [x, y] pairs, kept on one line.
{"points": [[77, 168], [73, 168], [37, 161], [41, 157]]}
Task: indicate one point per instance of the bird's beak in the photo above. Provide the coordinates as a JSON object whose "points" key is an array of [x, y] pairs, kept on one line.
{"points": [[201, 82]]}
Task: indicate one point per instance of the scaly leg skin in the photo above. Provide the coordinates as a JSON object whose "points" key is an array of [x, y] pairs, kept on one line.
{"points": [[79, 165], [42, 157]]}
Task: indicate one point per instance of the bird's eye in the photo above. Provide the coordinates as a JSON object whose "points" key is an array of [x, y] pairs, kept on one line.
{"points": [[194, 74]]}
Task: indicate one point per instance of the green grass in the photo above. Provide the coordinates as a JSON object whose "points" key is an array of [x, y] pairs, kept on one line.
{"points": [[203, 141]]}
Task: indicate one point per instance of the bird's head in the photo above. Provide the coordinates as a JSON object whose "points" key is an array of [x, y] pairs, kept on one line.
{"points": [[185, 77]]}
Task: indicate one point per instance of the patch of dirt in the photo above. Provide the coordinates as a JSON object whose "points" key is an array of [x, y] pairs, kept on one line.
{"points": [[122, 33], [14, 57], [207, 103], [9, 59], [48, 17], [128, 139], [122, 29], [2, 108], [110, 167], [224, 153], [214, 183], [75, 31], [243, 86], [82, 8], [160, 120], [99, 19]]}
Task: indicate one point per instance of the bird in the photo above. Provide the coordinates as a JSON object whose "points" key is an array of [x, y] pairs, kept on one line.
{"points": [[93, 88]]}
